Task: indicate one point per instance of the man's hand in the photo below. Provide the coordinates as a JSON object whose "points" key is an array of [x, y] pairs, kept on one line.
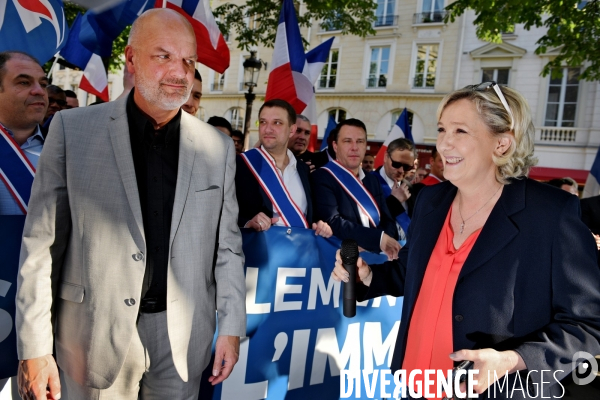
{"points": [[311, 166], [322, 229], [38, 378], [401, 192], [597, 239], [227, 352], [489, 360], [390, 246], [261, 222]]}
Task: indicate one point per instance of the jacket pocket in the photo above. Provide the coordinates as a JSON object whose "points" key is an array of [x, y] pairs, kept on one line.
{"points": [[71, 292], [211, 187]]}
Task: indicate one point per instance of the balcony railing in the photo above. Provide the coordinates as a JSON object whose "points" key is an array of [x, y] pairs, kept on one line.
{"points": [[556, 135], [429, 17], [385, 20], [328, 26], [374, 82], [421, 81]]}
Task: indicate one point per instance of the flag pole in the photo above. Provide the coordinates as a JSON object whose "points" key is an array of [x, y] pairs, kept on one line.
{"points": [[52, 67]]}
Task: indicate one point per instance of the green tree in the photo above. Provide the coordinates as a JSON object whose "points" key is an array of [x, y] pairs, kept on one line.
{"points": [[573, 27], [354, 17]]}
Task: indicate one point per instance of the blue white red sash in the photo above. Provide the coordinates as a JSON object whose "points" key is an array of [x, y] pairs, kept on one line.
{"points": [[355, 189], [16, 171], [265, 171]]}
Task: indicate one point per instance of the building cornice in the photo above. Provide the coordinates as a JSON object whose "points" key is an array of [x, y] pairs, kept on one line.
{"points": [[346, 95]]}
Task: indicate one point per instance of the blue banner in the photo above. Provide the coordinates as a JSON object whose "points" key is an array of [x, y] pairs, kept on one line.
{"points": [[298, 339], [11, 230]]}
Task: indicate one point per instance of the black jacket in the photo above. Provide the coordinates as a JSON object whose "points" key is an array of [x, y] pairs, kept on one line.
{"points": [[530, 282]]}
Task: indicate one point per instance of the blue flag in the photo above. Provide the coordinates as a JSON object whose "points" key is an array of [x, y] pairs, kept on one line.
{"points": [[330, 126], [100, 29], [38, 28]]}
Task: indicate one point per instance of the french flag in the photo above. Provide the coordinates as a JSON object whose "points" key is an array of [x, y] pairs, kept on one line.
{"points": [[212, 49], [400, 130], [94, 79], [592, 184], [288, 79], [101, 25], [315, 60], [331, 125]]}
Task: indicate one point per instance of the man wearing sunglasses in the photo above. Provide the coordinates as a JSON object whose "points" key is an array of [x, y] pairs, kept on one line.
{"points": [[399, 159]]}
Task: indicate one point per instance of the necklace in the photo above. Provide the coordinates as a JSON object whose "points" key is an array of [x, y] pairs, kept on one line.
{"points": [[462, 225]]}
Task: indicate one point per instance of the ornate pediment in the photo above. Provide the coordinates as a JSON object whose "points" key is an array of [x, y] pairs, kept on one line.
{"points": [[498, 50]]}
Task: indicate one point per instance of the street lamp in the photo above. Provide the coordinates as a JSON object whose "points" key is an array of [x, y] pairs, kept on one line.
{"points": [[252, 67]]}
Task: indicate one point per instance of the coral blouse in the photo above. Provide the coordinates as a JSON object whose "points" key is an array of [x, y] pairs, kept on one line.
{"points": [[429, 341]]}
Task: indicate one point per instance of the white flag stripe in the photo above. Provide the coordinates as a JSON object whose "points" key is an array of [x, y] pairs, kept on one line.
{"points": [[95, 73]]}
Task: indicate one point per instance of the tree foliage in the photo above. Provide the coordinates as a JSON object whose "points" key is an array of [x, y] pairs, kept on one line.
{"points": [[255, 22], [573, 28]]}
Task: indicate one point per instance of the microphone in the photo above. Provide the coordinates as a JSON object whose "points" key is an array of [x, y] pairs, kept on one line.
{"points": [[349, 255]]}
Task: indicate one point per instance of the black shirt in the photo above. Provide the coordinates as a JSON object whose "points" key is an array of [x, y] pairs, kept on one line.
{"points": [[155, 157]]}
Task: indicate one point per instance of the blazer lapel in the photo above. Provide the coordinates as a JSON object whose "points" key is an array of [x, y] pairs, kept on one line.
{"points": [[304, 174], [187, 152], [432, 220], [119, 136], [499, 230]]}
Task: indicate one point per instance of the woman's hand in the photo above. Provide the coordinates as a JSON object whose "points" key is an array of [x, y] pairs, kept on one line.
{"points": [[363, 271], [487, 361]]}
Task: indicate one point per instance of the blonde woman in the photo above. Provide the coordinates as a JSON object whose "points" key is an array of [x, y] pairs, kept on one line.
{"points": [[498, 269]]}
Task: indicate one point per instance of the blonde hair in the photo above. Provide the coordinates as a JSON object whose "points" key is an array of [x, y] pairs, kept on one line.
{"points": [[518, 159]]}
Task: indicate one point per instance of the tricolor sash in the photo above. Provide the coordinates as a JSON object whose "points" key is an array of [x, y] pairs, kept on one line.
{"points": [[16, 171], [265, 171], [355, 189], [403, 219]]}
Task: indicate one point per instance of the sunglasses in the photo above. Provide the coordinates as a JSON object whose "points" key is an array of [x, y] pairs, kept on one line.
{"points": [[398, 165], [60, 102], [482, 87]]}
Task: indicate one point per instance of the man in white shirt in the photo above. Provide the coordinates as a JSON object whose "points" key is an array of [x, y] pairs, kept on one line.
{"points": [[272, 186]]}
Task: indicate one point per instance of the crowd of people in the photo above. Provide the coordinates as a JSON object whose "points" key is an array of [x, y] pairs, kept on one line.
{"points": [[132, 236]]}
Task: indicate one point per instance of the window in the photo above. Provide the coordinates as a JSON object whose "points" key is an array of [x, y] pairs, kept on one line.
{"points": [[426, 65], [385, 13], [338, 115], [219, 21], [561, 106], [432, 11], [498, 75], [396, 115], [332, 24], [329, 72], [218, 82], [236, 117], [378, 67], [252, 21]]}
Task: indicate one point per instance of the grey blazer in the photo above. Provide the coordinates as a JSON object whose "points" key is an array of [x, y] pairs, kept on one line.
{"points": [[82, 256]]}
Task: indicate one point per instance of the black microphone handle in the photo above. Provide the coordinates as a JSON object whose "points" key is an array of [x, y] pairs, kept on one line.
{"points": [[350, 291]]}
